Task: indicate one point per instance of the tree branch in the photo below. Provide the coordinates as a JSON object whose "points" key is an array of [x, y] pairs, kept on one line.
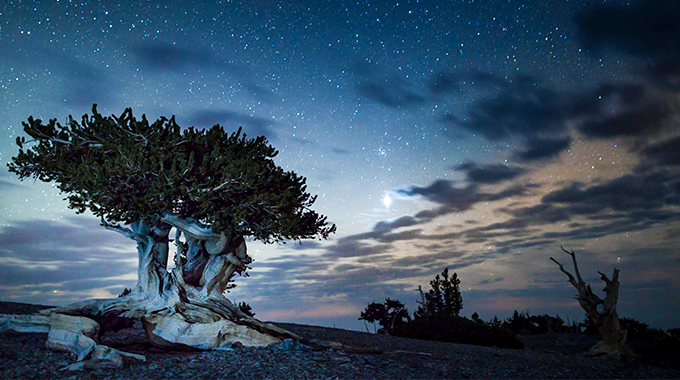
{"points": [[573, 257], [189, 227], [114, 227], [571, 278]]}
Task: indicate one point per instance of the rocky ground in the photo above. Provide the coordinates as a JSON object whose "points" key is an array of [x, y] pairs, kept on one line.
{"points": [[546, 356]]}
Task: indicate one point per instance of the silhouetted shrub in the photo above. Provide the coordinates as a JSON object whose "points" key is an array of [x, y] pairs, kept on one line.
{"points": [[588, 326], [457, 329], [125, 292], [525, 324], [674, 333], [640, 330], [389, 314]]}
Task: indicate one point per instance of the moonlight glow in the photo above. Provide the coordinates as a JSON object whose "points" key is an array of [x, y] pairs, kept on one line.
{"points": [[387, 201]]}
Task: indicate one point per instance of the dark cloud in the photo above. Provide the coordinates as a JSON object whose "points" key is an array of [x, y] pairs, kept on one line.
{"points": [[404, 221], [159, 56], [490, 174], [541, 118], [457, 199], [629, 193], [253, 126], [523, 110], [260, 93], [86, 84], [645, 28], [540, 148], [303, 245], [486, 282], [665, 152], [647, 118], [443, 83], [421, 259], [443, 192], [339, 151], [392, 92], [395, 93]]}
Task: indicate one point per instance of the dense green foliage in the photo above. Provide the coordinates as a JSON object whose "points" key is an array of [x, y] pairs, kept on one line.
{"points": [[126, 170]]}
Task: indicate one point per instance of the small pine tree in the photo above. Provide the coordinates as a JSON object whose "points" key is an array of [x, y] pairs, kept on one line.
{"points": [[443, 299]]}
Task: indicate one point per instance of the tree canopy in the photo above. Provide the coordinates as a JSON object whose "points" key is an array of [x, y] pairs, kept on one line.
{"points": [[126, 170]]}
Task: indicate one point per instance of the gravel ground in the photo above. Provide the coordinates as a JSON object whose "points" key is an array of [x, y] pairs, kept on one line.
{"points": [[25, 356]]}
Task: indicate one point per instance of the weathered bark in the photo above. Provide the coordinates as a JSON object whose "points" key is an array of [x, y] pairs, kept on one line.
{"points": [[183, 309], [603, 313]]}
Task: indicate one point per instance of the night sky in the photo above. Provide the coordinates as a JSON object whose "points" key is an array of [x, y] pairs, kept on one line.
{"points": [[474, 135]]}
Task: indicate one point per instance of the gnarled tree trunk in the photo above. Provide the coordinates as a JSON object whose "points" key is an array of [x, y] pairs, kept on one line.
{"points": [[602, 312], [181, 309]]}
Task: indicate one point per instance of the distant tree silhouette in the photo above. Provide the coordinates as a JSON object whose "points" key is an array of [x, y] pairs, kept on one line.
{"points": [[443, 299], [389, 314]]}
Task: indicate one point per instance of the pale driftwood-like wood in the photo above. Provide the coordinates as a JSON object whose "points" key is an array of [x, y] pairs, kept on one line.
{"points": [[25, 323], [602, 312], [182, 309]]}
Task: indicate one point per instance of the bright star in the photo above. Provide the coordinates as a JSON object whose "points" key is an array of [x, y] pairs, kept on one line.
{"points": [[387, 201]]}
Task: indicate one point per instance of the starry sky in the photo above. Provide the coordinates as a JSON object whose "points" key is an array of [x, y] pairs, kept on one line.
{"points": [[478, 135]]}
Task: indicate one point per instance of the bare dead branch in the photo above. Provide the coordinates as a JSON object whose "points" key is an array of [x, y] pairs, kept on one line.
{"points": [[573, 257], [572, 280]]}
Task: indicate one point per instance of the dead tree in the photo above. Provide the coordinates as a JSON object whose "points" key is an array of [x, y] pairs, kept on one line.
{"points": [[602, 312]]}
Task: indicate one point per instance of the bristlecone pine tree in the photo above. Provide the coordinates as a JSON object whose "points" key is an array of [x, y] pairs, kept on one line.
{"points": [[214, 188], [602, 312]]}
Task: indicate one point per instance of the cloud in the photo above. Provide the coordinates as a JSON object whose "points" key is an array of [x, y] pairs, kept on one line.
{"points": [[638, 121], [443, 83], [645, 28], [38, 252], [85, 83], [253, 126], [540, 148], [457, 199], [664, 153], [490, 174], [339, 151], [523, 109], [394, 93], [160, 56], [629, 193], [7, 185]]}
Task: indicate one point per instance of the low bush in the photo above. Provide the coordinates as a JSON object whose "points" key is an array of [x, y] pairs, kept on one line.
{"points": [[455, 329]]}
